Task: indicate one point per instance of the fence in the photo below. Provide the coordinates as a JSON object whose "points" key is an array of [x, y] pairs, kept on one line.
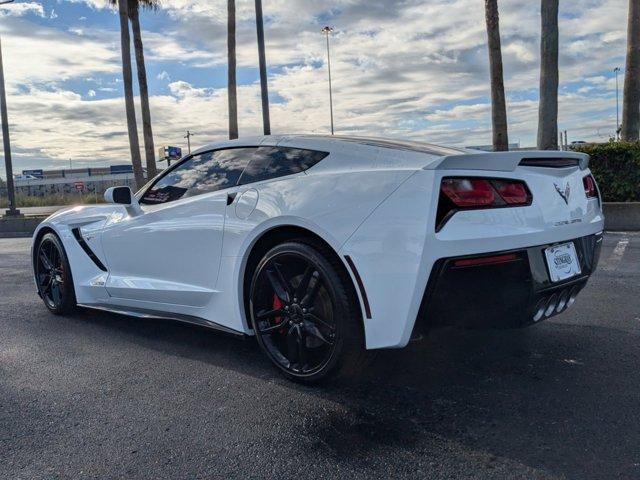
{"points": [[96, 184]]}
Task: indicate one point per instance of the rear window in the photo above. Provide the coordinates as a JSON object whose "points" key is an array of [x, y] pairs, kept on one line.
{"points": [[274, 162]]}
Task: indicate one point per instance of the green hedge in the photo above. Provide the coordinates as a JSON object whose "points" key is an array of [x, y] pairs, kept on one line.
{"points": [[616, 167]]}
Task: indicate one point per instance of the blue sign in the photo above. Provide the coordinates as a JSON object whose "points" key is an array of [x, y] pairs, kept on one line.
{"points": [[33, 173], [174, 153]]}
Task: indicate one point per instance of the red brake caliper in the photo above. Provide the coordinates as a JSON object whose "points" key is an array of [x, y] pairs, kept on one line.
{"points": [[277, 304]]}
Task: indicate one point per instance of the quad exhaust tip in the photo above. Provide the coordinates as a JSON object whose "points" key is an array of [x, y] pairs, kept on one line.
{"points": [[556, 303]]}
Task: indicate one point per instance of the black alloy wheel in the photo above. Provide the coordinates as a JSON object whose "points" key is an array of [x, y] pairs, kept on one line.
{"points": [[53, 275], [303, 313]]}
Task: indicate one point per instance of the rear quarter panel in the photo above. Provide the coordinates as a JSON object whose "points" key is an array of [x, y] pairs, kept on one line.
{"points": [[396, 247]]}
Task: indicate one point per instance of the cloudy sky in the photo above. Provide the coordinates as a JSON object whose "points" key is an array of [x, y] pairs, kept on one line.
{"points": [[407, 68]]}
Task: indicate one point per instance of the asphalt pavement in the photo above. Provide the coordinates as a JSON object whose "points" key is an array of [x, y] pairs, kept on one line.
{"points": [[97, 395]]}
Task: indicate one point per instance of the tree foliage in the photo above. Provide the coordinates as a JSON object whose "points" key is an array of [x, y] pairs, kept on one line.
{"points": [[616, 168]]}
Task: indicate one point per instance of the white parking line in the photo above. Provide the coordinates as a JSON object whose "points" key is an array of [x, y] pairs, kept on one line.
{"points": [[615, 258]]}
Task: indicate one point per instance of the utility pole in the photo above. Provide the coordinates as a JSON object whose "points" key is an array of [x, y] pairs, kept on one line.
{"points": [[617, 71], [264, 88], [11, 192], [188, 137], [327, 31]]}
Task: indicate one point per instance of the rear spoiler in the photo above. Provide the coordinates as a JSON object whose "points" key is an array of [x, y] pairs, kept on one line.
{"points": [[509, 161]]}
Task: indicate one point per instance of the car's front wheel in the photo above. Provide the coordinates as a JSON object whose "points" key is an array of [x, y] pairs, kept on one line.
{"points": [[304, 313], [53, 275]]}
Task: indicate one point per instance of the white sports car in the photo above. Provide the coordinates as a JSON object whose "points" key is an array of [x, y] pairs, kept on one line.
{"points": [[323, 247]]}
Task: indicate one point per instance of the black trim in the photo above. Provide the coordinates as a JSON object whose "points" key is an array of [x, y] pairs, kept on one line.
{"points": [[363, 293], [502, 294], [155, 314], [87, 249], [550, 162]]}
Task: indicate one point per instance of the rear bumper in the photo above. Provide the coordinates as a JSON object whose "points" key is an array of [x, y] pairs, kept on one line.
{"points": [[511, 294]]}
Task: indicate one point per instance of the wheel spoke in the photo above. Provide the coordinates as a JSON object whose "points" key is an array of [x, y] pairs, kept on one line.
{"points": [[56, 295], [265, 314], [272, 328], [302, 350], [310, 296], [43, 279], [292, 345], [301, 290], [278, 283], [313, 331], [46, 287], [317, 320], [45, 260]]}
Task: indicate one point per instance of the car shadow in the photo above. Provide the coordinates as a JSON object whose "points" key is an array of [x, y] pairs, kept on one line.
{"points": [[543, 397]]}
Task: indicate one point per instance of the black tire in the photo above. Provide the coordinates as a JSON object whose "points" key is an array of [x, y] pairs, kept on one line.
{"points": [[53, 275], [330, 314]]}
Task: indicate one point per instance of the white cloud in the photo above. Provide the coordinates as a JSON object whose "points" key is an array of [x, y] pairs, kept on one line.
{"points": [[34, 53], [22, 8], [412, 68]]}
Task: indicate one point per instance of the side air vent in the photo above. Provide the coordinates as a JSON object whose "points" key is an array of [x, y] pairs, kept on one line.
{"points": [[550, 162], [87, 249]]}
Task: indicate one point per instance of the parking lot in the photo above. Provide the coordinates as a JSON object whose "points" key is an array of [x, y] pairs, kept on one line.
{"points": [[108, 396]]}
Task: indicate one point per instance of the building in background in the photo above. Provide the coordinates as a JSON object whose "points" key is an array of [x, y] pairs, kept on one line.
{"points": [[41, 183], [489, 148]]}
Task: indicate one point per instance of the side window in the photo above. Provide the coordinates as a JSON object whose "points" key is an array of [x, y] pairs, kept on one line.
{"points": [[274, 162], [202, 173]]}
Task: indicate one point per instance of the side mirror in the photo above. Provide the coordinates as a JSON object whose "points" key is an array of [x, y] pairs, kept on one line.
{"points": [[119, 195], [123, 196]]}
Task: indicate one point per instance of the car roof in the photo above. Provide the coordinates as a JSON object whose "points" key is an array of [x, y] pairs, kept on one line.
{"points": [[331, 142], [392, 143]]}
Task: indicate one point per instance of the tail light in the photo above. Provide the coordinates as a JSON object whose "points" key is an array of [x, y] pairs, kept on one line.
{"points": [[590, 187], [512, 192], [469, 193]]}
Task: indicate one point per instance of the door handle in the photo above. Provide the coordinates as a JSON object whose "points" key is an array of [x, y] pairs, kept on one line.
{"points": [[231, 197]]}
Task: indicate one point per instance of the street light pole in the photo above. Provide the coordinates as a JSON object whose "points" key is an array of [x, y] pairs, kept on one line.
{"points": [[617, 71], [11, 193], [188, 137], [327, 31]]}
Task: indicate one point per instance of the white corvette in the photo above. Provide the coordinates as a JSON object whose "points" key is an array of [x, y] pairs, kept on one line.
{"points": [[323, 247]]}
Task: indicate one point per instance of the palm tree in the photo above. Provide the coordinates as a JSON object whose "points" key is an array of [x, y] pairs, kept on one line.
{"points": [[147, 132], [631, 102], [266, 122], [498, 103], [549, 77], [231, 68], [132, 126]]}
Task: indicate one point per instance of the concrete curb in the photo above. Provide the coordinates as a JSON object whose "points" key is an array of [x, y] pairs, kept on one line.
{"points": [[619, 217], [19, 227], [622, 216]]}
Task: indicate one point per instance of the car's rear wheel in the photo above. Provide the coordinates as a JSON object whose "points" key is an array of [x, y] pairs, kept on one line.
{"points": [[53, 275], [304, 313]]}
